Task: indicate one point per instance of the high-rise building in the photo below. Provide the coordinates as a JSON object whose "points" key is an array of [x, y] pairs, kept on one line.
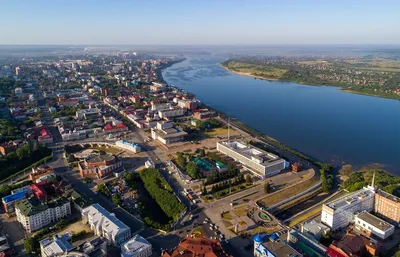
{"points": [[387, 205], [341, 212]]}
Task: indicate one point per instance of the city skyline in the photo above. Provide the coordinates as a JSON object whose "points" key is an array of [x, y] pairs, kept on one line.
{"points": [[199, 22]]}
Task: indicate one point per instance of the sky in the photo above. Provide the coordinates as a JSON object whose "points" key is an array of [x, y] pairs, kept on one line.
{"points": [[205, 22]]}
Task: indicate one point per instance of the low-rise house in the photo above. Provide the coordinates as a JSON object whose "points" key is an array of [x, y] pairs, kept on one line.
{"points": [[352, 245], [106, 225], [56, 246], [39, 171], [99, 166], [314, 229], [9, 147], [130, 146], [136, 247], [5, 249], [34, 215], [9, 201], [372, 226], [203, 114], [120, 127]]}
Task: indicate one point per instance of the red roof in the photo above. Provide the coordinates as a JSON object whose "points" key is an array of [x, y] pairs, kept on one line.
{"points": [[333, 253], [119, 126]]}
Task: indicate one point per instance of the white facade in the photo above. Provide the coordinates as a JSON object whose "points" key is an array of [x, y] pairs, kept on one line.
{"points": [[55, 246], [33, 218], [106, 225], [368, 223], [340, 213], [261, 163], [81, 134], [136, 247], [133, 147], [165, 114]]}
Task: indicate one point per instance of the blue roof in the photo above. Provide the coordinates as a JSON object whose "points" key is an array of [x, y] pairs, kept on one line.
{"points": [[259, 238], [273, 237], [15, 197]]}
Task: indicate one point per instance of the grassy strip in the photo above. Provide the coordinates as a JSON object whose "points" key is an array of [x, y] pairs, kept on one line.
{"points": [[305, 216], [45, 159], [286, 193]]}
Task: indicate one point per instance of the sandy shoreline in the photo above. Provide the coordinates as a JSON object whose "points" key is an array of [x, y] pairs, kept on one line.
{"points": [[248, 74]]}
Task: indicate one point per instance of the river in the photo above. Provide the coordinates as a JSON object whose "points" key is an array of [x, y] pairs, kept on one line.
{"points": [[324, 122]]}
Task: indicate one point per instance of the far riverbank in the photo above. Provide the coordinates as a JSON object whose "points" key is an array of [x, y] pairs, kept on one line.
{"points": [[342, 88]]}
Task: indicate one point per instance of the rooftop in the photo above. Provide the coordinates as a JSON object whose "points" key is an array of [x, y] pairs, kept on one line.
{"points": [[253, 153], [374, 221], [56, 245], [389, 196], [100, 158], [351, 199], [15, 197], [136, 244], [170, 133], [100, 217], [275, 245], [29, 207]]}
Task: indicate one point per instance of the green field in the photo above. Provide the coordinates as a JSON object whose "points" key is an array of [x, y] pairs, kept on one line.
{"points": [[259, 71]]}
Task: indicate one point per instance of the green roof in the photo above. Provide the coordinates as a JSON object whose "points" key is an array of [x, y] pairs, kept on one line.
{"points": [[221, 165], [30, 207], [203, 164]]}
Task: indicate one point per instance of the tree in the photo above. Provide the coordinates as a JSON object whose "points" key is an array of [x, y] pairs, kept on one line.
{"points": [[248, 179], [266, 187], [116, 199], [181, 160], [103, 189], [35, 146], [204, 189], [193, 170], [202, 153], [24, 152], [5, 190], [31, 244]]}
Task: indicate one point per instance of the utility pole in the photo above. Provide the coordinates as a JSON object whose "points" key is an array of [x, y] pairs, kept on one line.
{"points": [[229, 119]]}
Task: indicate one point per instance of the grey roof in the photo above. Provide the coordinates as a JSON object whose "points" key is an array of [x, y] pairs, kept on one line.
{"points": [[375, 221]]}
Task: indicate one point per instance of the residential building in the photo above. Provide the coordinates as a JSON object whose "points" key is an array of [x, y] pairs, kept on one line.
{"points": [[200, 246], [149, 164], [171, 113], [352, 245], [45, 136], [71, 134], [372, 226], [341, 212], [203, 114], [33, 215], [9, 147], [387, 205], [314, 229], [105, 224], [272, 245], [88, 114], [9, 201], [99, 165], [120, 127], [136, 247], [133, 147], [56, 246], [304, 243], [95, 247], [260, 162], [5, 249], [39, 171]]}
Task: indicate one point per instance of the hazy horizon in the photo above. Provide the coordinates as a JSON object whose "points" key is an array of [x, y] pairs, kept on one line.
{"points": [[157, 22]]}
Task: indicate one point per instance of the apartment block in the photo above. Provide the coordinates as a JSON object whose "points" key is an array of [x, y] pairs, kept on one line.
{"points": [[106, 225], [34, 215]]}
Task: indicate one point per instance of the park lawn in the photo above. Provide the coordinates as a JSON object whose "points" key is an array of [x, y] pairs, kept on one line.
{"points": [[241, 211], [198, 229], [286, 193], [218, 131], [227, 216], [234, 190]]}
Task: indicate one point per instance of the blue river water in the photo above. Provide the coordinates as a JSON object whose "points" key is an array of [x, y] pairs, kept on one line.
{"points": [[324, 122]]}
